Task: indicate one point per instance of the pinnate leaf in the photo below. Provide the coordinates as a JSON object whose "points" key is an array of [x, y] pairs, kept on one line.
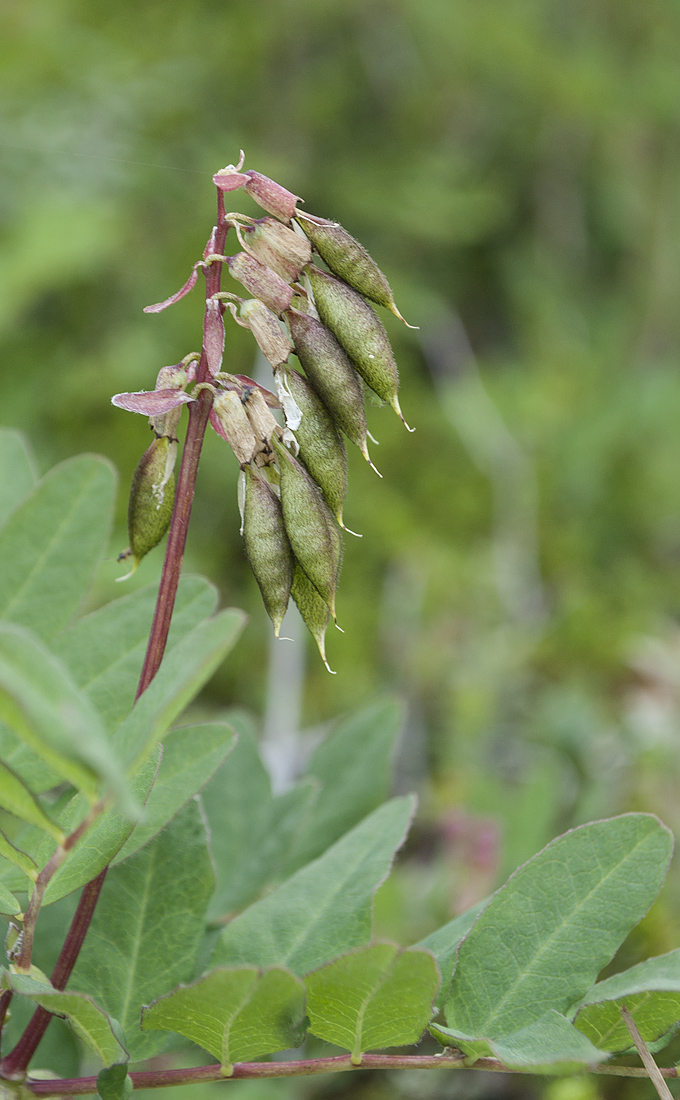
{"points": [[377, 996], [103, 839], [104, 651], [183, 672], [19, 858], [39, 700], [444, 944], [9, 905], [91, 1024], [148, 925], [325, 908], [651, 993], [544, 936], [235, 1014], [191, 755], [51, 543]]}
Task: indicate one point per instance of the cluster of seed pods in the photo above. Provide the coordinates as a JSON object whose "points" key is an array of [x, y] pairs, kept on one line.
{"points": [[293, 479]]}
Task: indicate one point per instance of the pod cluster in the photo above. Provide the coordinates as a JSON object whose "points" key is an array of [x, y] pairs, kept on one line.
{"points": [[293, 479]]}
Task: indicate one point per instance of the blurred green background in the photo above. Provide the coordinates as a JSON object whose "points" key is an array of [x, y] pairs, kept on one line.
{"points": [[514, 167]]}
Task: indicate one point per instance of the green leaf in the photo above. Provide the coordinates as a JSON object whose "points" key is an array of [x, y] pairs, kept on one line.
{"points": [[105, 651], [325, 908], [39, 700], [90, 1023], [148, 925], [378, 996], [184, 671], [17, 471], [16, 797], [235, 1015], [353, 767], [543, 938], [52, 542], [114, 1082], [8, 903], [35, 773], [103, 839], [650, 992], [444, 944], [191, 755], [251, 832], [20, 859], [551, 1044]]}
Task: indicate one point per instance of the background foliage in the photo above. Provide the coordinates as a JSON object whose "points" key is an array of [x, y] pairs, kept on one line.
{"points": [[513, 165]]}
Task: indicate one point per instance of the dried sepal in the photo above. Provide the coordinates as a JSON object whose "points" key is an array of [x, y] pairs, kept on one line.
{"points": [[260, 281], [213, 335], [267, 546], [309, 525], [229, 419], [349, 260], [332, 376], [271, 196], [152, 403], [361, 333], [273, 244], [151, 500], [263, 423], [322, 448], [271, 339]]}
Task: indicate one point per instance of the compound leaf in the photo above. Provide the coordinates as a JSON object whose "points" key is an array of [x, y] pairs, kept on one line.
{"points": [[325, 908], [17, 471], [235, 1014], [377, 996], [51, 543], [148, 925], [544, 936], [191, 755], [444, 944], [551, 1044]]}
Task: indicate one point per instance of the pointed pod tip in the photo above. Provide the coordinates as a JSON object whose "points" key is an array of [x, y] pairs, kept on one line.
{"points": [[395, 405], [393, 309], [350, 532]]}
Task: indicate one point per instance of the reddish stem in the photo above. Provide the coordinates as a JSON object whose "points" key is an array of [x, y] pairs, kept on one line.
{"points": [[15, 1063]]}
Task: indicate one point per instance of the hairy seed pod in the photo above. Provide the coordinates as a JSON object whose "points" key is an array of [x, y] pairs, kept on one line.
{"points": [[267, 546], [349, 260], [309, 525], [361, 333], [152, 496], [322, 448], [260, 281], [332, 376], [312, 608], [278, 247]]}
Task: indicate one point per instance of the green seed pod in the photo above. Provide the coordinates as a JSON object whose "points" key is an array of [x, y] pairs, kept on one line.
{"points": [[309, 525], [313, 609], [361, 333], [267, 546], [331, 375], [349, 260], [152, 496], [322, 448]]}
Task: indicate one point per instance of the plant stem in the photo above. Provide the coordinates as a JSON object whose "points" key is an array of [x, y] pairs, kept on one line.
{"points": [[16, 1062], [155, 1079]]}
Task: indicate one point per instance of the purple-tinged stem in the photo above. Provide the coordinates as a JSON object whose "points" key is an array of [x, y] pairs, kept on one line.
{"points": [[156, 1079], [15, 1063]]}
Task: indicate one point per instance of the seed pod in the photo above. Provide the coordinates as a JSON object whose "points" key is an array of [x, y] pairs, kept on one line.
{"points": [[309, 525], [267, 546], [313, 609], [278, 247], [332, 376], [361, 333], [349, 260], [322, 448], [152, 496], [260, 281], [229, 419]]}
